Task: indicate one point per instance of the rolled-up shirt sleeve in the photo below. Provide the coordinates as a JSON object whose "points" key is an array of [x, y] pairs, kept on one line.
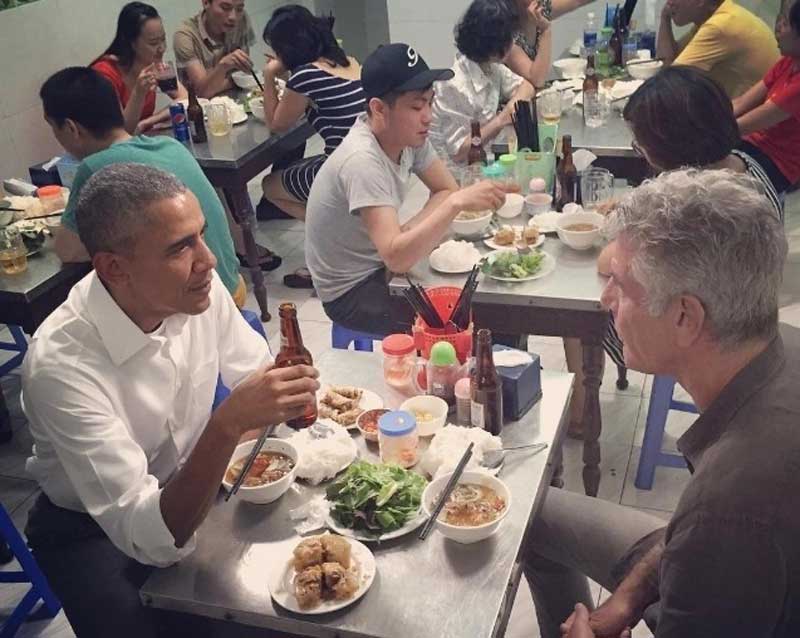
{"points": [[107, 468], [509, 82]]}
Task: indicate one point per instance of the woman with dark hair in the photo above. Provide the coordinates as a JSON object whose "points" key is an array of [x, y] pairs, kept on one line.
{"points": [[682, 118], [484, 36], [130, 62], [769, 113]]}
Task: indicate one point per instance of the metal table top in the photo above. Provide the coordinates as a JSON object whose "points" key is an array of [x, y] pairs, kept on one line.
{"points": [[613, 139], [431, 588]]}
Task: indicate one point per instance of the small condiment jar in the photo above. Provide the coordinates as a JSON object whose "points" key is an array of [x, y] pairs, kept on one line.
{"points": [[51, 198], [463, 402], [442, 370], [397, 438], [494, 172], [399, 361]]}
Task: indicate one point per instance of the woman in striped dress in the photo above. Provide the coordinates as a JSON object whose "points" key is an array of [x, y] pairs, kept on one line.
{"points": [[325, 85]]}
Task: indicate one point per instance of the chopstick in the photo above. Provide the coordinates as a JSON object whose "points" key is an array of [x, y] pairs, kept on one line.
{"points": [[632, 62], [446, 493], [16, 210], [255, 77], [250, 460], [37, 216]]}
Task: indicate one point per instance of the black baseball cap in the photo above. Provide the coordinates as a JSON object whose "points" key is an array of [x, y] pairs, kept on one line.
{"points": [[398, 68]]}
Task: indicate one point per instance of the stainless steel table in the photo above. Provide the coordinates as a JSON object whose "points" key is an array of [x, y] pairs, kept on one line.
{"points": [[422, 589], [231, 161], [565, 303]]}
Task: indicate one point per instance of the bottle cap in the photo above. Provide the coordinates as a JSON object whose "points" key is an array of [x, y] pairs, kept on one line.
{"points": [[397, 423], [443, 354], [508, 161], [493, 171], [462, 389], [397, 345]]}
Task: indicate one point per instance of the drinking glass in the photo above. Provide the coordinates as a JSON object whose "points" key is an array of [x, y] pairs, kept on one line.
{"points": [[597, 187], [166, 77], [219, 119], [550, 106], [596, 109], [13, 254]]}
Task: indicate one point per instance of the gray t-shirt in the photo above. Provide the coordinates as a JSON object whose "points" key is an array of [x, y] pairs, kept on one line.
{"points": [[358, 174]]}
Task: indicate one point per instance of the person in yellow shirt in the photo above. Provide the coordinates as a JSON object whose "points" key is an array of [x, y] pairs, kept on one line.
{"points": [[735, 47]]}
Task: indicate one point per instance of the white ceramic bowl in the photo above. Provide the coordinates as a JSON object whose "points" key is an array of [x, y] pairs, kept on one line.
{"points": [[512, 206], [471, 227], [537, 203], [580, 239], [644, 70], [246, 81], [434, 406], [570, 68], [257, 107], [271, 491], [370, 435], [466, 535]]}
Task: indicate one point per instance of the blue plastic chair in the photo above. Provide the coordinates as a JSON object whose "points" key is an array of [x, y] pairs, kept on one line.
{"points": [[661, 402], [222, 392], [342, 337], [30, 573], [19, 345]]}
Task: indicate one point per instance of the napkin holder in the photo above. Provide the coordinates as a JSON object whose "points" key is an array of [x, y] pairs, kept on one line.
{"points": [[522, 385]]}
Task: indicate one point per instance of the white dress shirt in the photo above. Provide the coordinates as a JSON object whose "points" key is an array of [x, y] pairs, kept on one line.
{"points": [[474, 93], [114, 412]]}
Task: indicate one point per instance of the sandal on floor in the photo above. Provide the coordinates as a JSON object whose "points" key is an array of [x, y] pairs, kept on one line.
{"points": [[267, 260], [300, 278]]}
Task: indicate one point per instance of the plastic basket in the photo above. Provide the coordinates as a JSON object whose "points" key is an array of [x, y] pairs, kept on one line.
{"points": [[444, 300]]}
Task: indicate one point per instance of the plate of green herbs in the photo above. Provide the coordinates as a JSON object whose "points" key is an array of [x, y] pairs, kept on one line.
{"points": [[511, 265]]}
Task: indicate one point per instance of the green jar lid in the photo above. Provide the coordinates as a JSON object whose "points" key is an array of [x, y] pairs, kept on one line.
{"points": [[508, 160], [607, 31], [493, 171], [443, 354]]}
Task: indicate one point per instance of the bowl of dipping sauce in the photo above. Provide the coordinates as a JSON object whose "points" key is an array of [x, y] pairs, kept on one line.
{"points": [[537, 203], [367, 423], [581, 230]]}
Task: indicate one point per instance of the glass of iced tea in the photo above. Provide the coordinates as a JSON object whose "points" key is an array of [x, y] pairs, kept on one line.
{"points": [[219, 119], [550, 106], [13, 254]]}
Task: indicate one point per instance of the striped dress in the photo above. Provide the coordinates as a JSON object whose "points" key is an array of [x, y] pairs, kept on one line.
{"points": [[335, 104]]}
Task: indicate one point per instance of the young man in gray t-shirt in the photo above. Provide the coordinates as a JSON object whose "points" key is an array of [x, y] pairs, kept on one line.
{"points": [[354, 240]]}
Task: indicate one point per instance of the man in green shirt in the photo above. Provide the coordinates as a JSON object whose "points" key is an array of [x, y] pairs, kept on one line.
{"points": [[82, 109]]}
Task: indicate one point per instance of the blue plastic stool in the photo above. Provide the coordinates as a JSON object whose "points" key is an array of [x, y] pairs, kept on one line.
{"points": [[19, 345], [222, 392], [30, 574], [342, 337], [661, 402]]}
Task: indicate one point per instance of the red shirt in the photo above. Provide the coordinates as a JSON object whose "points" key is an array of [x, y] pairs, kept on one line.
{"points": [[108, 68], [782, 141]]}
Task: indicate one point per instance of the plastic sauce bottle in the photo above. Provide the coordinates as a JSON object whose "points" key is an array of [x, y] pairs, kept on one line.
{"points": [[442, 371]]}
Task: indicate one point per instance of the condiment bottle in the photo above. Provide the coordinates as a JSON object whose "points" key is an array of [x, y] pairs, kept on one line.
{"points": [[399, 362], [486, 393], [197, 122], [463, 407], [566, 176], [293, 353], [442, 371], [398, 438]]}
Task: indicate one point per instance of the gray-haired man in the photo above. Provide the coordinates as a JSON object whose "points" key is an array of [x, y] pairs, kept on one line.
{"points": [[694, 292], [117, 387]]}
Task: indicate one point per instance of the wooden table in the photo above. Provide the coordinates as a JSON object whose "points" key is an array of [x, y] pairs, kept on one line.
{"points": [[422, 589]]}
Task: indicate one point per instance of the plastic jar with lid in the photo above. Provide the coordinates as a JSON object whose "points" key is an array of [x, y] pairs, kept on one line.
{"points": [[51, 198], [399, 362], [397, 438], [509, 163], [494, 172]]}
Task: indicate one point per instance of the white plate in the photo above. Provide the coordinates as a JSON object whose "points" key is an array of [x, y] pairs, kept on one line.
{"points": [[495, 246], [548, 266], [369, 401], [410, 526], [546, 222], [434, 263], [281, 586]]}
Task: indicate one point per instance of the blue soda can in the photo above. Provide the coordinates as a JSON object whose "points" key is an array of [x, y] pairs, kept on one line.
{"points": [[180, 126]]}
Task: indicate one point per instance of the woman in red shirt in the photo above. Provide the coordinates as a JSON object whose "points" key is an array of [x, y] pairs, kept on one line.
{"points": [[769, 113], [129, 63]]}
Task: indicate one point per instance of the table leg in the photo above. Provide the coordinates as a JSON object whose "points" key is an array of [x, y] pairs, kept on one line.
{"points": [[5, 422], [592, 424], [241, 208]]}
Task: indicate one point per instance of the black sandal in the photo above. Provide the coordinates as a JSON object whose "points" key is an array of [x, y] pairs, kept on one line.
{"points": [[266, 210], [267, 261], [300, 278]]}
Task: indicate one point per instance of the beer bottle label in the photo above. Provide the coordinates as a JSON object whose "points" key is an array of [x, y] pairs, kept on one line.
{"points": [[476, 414], [476, 141]]}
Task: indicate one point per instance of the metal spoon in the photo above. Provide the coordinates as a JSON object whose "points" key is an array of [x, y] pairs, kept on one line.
{"points": [[493, 459]]}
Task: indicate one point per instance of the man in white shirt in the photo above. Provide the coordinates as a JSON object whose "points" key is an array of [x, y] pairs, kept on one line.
{"points": [[118, 385]]}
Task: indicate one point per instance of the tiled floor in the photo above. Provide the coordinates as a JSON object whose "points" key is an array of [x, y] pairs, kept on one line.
{"points": [[623, 414]]}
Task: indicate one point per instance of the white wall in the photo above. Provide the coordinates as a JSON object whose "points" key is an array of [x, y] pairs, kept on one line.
{"points": [[40, 38]]}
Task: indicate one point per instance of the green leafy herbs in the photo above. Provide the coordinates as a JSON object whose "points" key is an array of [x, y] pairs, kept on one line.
{"points": [[375, 498], [512, 265]]}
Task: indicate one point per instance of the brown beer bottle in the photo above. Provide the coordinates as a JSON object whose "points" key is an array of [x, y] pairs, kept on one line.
{"points": [[197, 122], [293, 353], [590, 82], [615, 44], [486, 393], [476, 157], [566, 175]]}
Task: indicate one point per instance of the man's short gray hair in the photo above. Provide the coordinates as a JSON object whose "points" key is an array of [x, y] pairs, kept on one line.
{"points": [[113, 204], [711, 234]]}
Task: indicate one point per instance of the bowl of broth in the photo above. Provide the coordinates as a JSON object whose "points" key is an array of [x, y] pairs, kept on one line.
{"points": [[475, 509], [271, 474], [469, 223], [580, 230]]}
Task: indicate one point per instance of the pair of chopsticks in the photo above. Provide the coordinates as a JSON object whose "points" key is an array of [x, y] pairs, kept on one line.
{"points": [[250, 460], [255, 77], [446, 493], [460, 314], [526, 124]]}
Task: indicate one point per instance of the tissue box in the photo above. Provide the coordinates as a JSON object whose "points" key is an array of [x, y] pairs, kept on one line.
{"points": [[522, 386], [45, 176]]}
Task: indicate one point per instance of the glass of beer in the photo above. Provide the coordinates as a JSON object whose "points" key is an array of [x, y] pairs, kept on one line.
{"points": [[13, 254], [219, 119], [166, 77], [550, 106]]}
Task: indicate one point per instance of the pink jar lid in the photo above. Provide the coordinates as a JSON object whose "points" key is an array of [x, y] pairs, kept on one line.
{"points": [[397, 345], [462, 390]]}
